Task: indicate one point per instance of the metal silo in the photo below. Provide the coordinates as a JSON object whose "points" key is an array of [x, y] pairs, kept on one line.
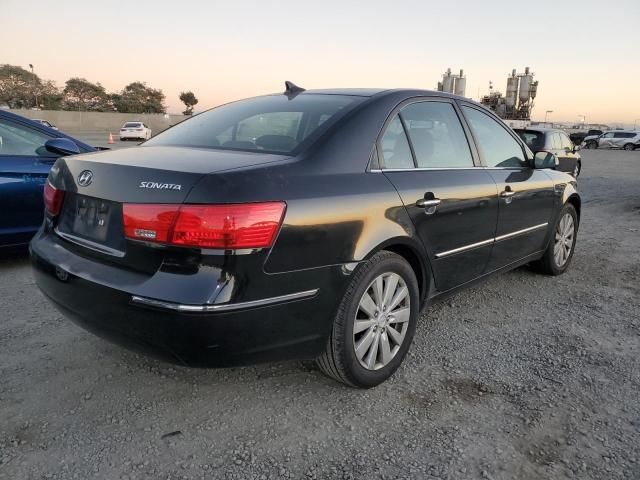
{"points": [[525, 85], [512, 90], [447, 81], [460, 84]]}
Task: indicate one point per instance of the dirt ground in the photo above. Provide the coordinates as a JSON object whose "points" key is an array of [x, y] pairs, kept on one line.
{"points": [[524, 376]]}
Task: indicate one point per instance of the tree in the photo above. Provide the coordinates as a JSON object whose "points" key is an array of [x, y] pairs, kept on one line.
{"points": [[138, 98], [18, 87], [81, 94], [189, 100]]}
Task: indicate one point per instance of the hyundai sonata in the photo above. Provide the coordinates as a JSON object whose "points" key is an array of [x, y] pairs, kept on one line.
{"points": [[307, 224]]}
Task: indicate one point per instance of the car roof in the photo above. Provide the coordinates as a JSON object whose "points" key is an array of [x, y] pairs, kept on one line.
{"points": [[370, 92]]}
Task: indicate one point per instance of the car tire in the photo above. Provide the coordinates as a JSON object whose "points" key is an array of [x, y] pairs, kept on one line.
{"points": [[591, 145], [558, 255], [357, 358], [577, 169], [629, 147]]}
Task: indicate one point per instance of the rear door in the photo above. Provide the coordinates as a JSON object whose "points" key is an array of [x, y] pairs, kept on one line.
{"points": [[451, 200], [24, 167], [526, 196]]}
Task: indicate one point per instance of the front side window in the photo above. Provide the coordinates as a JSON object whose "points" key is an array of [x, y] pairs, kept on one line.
{"points": [[396, 152], [608, 135], [272, 124], [556, 143], [498, 147], [17, 140], [436, 135]]}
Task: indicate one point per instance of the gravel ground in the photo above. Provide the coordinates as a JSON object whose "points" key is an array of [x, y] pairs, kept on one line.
{"points": [[524, 377]]}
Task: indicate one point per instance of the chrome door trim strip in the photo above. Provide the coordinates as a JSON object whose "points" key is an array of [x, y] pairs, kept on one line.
{"points": [[464, 248], [490, 241], [520, 232], [223, 307]]}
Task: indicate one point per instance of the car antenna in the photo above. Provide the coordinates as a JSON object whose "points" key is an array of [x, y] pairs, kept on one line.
{"points": [[292, 90]]}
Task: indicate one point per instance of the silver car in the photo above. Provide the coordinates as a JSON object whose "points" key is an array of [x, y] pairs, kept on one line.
{"points": [[624, 139]]}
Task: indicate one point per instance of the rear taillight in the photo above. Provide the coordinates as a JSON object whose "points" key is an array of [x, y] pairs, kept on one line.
{"points": [[228, 227], [53, 199]]}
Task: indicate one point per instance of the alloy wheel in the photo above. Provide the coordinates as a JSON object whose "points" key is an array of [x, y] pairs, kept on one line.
{"points": [[565, 232], [381, 321]]}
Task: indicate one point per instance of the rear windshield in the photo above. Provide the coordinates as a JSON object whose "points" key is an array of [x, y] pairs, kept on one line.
{"points": [[272, 124], [533, 139], [131, 125]]}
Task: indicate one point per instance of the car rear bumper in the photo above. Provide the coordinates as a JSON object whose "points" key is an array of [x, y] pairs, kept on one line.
{"points": [[294, 324]]}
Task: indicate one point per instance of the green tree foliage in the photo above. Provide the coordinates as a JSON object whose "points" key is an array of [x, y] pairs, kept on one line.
{"points": [[138, 98], [18, 87], [81, 94], [189, 100]]}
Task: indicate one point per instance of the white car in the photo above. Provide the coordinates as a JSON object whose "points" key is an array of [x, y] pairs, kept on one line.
{"points": [[135, 130]]}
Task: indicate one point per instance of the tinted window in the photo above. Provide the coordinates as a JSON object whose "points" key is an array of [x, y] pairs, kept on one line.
{"points": [[498, 147], [436, 135], [21, 141], [533, 139], [608, 135], [131, 125], [396, 152], [274, 123]]}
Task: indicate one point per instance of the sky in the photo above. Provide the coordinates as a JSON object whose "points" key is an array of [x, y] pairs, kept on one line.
{"points": [[585, 54]]}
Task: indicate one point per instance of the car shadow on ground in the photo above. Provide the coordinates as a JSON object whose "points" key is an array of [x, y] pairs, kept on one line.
{"points": [[10, 256]]}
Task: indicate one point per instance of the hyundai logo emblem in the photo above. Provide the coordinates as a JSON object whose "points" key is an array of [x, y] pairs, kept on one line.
{"points": [[85, 178]]}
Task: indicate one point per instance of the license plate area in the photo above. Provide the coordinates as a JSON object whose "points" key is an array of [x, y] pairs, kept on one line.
{"points": [[94, 219]]}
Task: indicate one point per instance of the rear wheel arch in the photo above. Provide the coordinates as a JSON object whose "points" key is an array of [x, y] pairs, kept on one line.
{"points": [[415, 257]]}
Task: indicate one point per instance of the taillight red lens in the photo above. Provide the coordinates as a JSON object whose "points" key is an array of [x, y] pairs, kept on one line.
{"points": [[149, 222], [228, 227], [248, 225], [53, 199]]}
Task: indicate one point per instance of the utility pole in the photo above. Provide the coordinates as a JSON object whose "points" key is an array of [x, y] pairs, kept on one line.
{"points": [[35, 86]]}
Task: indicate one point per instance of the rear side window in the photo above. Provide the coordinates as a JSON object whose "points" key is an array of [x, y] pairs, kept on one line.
{"points": [[498, 147], [396, 152], [273, 124], [436, 135]]}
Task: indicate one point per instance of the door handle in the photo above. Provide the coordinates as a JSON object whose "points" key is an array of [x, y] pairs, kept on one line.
{"points": [[424, 203], [507, 194], [429, 203]]}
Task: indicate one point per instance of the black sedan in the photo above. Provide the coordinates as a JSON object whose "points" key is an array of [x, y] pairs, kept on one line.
{"points": [[308, 224], [554, 141]]}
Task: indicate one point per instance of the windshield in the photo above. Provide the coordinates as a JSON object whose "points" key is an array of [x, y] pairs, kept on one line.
{"points": [[271, 124], [533, 139]]}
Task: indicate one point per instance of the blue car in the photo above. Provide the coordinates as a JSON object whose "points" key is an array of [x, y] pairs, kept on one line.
{"points": [[27, 151]]}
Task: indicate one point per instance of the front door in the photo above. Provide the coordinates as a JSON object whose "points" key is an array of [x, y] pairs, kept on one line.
{"points": [[24, 167], [606, 140], [451, 201], [526, 196]]}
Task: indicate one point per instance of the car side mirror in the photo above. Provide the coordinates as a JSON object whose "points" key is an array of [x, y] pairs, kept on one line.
{"points": [[545, 160], [61, 146]]}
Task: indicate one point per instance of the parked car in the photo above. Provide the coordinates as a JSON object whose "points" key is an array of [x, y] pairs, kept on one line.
{"points": [[555, 141], [28, 149], [322, 238], [624, 139], [135, 131], [45, 123], [578, 137]]}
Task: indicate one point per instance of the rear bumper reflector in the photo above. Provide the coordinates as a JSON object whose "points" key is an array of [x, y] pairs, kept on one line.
{"points": [[223, 307]]}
